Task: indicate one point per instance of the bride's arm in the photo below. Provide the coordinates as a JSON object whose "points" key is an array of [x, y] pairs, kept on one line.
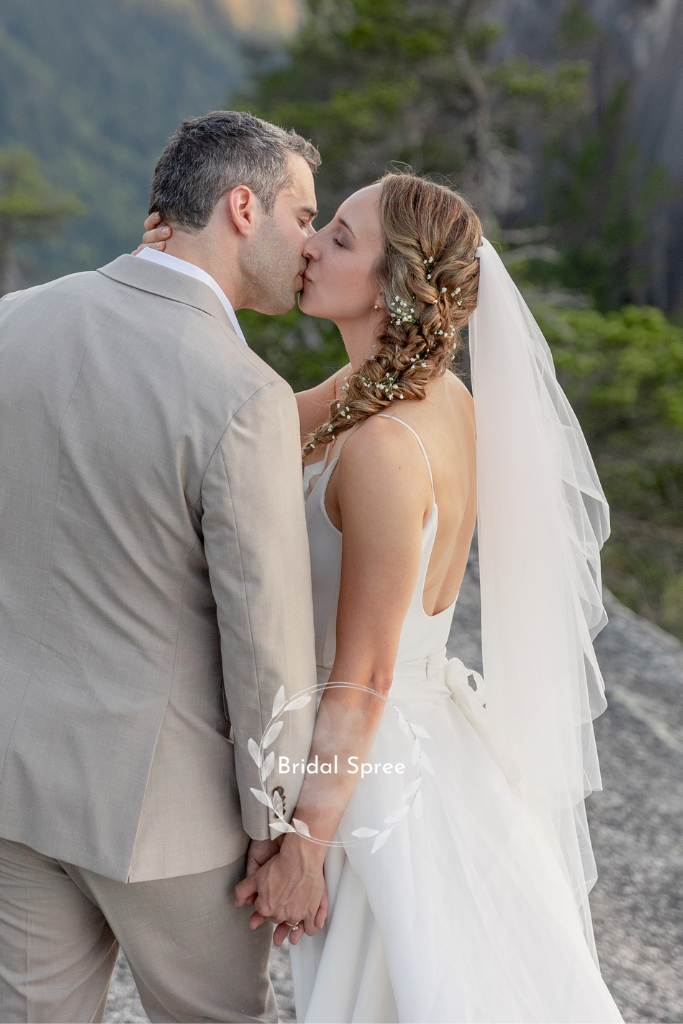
{"points": [[383, 492]]}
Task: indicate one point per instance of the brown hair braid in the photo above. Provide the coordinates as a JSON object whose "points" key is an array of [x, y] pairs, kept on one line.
{"points": [[429, 277]]}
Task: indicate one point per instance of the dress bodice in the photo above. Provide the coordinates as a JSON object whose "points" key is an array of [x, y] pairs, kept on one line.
{"points": [[422, 635]]}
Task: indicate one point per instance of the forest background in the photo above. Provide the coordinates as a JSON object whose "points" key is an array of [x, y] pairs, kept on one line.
{"points": [[540, 112]]}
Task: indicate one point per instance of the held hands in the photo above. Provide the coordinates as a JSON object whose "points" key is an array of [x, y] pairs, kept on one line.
{"points": [[260, 851], [287, 887], [156, 234]]}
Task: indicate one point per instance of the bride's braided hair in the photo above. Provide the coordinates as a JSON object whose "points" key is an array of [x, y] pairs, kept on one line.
{"points": [[428, 275]]}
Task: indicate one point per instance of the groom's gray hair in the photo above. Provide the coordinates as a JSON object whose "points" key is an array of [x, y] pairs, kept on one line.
{"points": [[207, 156]]}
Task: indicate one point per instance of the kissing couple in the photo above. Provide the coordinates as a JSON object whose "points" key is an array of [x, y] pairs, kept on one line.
{"points": [[185, 616]]}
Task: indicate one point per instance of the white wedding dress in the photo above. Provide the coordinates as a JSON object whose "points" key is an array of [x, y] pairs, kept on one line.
{"points": [[462, 913]]}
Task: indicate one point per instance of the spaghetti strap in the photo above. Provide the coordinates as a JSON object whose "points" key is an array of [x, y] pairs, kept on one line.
{"points": [[327, 455], [331, 446], [387, 416]]}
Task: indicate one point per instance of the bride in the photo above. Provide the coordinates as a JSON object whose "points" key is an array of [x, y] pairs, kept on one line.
{"points": [[458, 868]]}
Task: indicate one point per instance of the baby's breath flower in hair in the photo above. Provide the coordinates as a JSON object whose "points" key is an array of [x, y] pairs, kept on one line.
{"points": [[401, 312]]}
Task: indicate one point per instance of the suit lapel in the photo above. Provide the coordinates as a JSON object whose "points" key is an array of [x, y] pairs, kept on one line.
{"points": [[160, 280]]}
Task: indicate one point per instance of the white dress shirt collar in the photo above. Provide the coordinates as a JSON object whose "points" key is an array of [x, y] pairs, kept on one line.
{"points": [[183, 267]]}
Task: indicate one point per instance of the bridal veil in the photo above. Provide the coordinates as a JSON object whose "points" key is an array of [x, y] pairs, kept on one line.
{"points": [[542, 519]]}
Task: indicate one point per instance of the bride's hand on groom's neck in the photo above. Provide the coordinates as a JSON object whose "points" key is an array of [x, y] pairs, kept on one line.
{"points": [[156, 234]]}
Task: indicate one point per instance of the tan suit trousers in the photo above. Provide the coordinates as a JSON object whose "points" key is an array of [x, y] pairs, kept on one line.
{"points": [[190, 949]]}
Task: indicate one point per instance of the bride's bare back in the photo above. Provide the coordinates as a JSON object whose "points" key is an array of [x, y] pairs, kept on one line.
{"points": [[444, 421]]}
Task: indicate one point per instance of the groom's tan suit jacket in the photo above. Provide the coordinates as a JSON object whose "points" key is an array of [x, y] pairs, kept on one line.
{"points": [[154, 574]]}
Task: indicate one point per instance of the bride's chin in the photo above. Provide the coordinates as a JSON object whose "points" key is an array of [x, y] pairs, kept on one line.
{"points": [[308, 306]]}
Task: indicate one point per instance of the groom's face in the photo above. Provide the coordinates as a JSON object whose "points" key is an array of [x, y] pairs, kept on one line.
{"points": [[274, 263]]}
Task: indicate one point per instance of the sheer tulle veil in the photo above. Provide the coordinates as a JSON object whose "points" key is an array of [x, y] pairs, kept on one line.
{"points": [[542, 519]]}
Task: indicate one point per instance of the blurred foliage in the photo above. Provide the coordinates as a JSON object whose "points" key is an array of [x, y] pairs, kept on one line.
{"points": [[622, 371], [302, 350], [381, 81], [623, 374], [30, 207], [95, 89]]}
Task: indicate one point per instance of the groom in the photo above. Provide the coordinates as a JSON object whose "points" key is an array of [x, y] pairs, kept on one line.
{"points": [[154, 595]]}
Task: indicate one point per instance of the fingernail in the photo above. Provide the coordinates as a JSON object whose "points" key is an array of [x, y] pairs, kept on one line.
{"points": [[165, 231]]}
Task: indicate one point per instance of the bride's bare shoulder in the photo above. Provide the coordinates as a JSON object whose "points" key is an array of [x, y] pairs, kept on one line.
{"points": [[379, 445], [457, 390]]}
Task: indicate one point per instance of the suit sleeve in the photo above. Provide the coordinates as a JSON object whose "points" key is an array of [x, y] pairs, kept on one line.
{"points": [[256, 546]]}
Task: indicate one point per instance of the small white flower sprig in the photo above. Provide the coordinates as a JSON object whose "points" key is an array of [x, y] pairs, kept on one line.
{"points": [[446, 334], [388, 384], [411, 797], [429, 267], [401, 312]]}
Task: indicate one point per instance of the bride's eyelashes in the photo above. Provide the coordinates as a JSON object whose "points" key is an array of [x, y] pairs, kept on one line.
{"points": [[337, 242]]}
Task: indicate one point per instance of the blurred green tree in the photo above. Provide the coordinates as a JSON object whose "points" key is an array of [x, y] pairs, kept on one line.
{"points": [[623, 373], [302, 350], [30, 207], [381, 81]]}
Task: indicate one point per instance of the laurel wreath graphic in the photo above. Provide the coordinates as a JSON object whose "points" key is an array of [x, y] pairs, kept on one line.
{"points": [[411, 797]]}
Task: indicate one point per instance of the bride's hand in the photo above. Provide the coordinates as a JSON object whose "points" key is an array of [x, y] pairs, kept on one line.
{"points": [[283, 931], [156, 234], [290, 887]]}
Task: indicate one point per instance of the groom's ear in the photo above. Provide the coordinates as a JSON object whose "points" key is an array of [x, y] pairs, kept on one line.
{"points": [[241, 208]]}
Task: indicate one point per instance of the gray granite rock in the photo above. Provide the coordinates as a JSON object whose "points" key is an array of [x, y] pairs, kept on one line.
{"points": [[123, 1004], [636, 822]]}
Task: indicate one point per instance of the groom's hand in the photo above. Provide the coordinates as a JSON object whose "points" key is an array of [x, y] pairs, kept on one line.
{"points": [[260, 851]]}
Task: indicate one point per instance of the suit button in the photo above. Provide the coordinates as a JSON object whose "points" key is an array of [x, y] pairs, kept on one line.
{"points": [[279, 800]]}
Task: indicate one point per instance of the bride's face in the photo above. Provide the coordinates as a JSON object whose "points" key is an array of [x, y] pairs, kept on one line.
{"points": [[340, 283]]}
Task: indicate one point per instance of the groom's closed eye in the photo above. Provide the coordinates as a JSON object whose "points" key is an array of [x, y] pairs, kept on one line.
{"points": [[307, 215]]}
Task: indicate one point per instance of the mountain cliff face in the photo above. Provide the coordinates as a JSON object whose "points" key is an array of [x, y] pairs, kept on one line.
{"points": [[642, 44]]}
